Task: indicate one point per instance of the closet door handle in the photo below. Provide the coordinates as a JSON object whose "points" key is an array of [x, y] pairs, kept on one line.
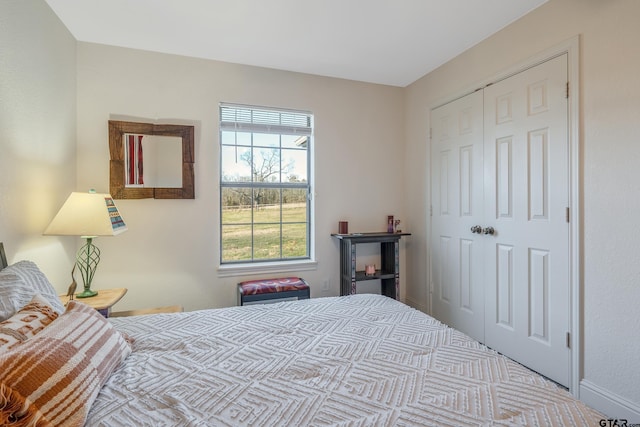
{"points": [[489, 230], [476, 229]]}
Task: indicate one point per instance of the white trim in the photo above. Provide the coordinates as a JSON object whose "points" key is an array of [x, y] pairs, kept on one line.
{"points": [[570, 47], [230, 270], [610, 404], [416, 304], [429, 219]]}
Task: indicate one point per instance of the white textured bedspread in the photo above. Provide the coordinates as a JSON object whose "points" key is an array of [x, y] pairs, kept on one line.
{"points": [[360, 360]]}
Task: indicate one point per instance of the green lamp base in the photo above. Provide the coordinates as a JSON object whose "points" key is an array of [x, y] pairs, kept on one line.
{"points": [[87, 293], [87, 260]]}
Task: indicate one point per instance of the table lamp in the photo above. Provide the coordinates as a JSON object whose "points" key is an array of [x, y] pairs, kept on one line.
{"points": [[87, 215]]}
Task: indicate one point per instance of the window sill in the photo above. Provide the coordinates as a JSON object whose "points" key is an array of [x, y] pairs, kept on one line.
{"points": [[266, 268]]}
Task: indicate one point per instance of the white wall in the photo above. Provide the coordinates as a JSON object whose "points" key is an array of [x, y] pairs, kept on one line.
{"points": [[610, 152], [170, 253], [37, 133]]}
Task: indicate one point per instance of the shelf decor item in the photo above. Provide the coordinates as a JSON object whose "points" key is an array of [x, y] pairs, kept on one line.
{"points": [[87, 215], [343, 227], [389, 223], [370, 269]]}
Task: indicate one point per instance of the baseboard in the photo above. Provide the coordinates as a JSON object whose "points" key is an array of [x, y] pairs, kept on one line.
{"points": [[416, 304], [610, 404]]}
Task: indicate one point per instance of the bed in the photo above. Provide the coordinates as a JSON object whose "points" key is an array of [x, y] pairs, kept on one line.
{"points": [[359, 360]]}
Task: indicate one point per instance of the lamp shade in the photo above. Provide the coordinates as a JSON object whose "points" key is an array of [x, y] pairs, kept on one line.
{"points": [[87, 215]]}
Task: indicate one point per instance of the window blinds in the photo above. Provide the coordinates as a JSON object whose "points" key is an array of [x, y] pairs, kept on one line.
{"points": [[264, 120]]}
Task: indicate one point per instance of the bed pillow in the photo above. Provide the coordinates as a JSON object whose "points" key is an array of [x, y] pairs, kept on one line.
{"points": [[53, 378], [19, 282], [28, 321]]}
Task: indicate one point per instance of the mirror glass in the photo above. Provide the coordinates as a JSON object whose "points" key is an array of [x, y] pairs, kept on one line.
{"points": [[151, 161]]}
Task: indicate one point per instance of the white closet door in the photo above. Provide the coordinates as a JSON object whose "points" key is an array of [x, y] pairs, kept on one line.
{"points": [[457, 206], [526, 166]]}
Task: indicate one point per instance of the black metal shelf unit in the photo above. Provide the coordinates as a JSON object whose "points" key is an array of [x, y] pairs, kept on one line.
{"points": [[389, 272]]}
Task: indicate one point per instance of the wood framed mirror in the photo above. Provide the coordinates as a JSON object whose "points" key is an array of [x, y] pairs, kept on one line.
{"points": [[168, 155]]}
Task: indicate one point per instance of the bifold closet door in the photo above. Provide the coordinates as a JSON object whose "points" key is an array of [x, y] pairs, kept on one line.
{"points": [[527, 265], [457, 207]]}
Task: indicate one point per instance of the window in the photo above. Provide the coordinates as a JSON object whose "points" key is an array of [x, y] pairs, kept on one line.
{"points": [[264, 184]]}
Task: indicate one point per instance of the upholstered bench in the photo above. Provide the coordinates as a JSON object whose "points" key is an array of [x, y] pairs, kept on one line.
{"points": [[261, 290]]}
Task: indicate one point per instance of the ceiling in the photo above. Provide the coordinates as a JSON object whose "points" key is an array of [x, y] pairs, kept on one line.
{"points": [[391, 42]]}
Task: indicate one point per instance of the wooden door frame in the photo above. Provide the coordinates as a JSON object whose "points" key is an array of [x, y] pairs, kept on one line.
{"points": [[571, 48]]}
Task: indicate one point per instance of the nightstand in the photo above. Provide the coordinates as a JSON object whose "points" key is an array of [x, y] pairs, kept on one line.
{"points": [[102, 302], [140, 312]]}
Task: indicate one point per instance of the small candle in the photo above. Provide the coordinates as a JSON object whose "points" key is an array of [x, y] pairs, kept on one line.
{"points": [[343, 227], [370, 270]]}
